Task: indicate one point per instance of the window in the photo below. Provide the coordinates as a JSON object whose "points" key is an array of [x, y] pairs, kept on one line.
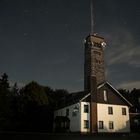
{"points": [[86, 108], [67, 112], [123, 111], [105, 95], [75, 111], [74, 114], [110, 110], [136, 121], [139, 100], [86, 124], [101, 125], [111, 125], [98, 53], [98, 61]]}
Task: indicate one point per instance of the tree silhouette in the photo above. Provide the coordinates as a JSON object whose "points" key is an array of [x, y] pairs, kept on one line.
{"points": [[5, 102]]}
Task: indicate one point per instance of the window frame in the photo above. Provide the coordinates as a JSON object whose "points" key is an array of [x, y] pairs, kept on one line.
{"points": [[101, 124], [86, 124], [111, 125], [86, 108], [124, 111], [110, 110]]}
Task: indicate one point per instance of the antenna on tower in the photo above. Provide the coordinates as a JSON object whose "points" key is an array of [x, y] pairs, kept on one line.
{"points": [[91, 18]]}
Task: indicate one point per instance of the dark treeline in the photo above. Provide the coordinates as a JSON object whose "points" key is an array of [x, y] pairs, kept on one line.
{"points": [[29, 108], [133, 97]]}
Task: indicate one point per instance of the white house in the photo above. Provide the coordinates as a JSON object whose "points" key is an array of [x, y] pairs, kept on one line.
{"points": [[112, 112]]}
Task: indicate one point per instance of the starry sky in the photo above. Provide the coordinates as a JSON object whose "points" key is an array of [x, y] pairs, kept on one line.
{"points": [[42, 40]]}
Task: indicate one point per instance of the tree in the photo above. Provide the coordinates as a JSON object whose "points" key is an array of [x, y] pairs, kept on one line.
{"points": [[125, 93], [34, 108], [135, 95], [49, 92], [5, 102], [60, 93], [4, 84], [34, 93], [15, 90]]}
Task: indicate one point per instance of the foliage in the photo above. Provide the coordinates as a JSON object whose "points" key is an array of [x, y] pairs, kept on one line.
{"points": [[34, 93], [5, 104], [134, 97]]}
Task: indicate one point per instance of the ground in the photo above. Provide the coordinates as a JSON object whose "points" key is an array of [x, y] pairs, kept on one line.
{"points": [[45, 136]]}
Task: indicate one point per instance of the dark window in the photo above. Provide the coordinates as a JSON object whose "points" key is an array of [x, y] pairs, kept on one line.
{"points": [[98, 61], [111, 125], [110, 110], [98, 53], [86, 124], [139, 100], [74, 114], [101, 125], [86, 108], [67, 112], [123, 111]]}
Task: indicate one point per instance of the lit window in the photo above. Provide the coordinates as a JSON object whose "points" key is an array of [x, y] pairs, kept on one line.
{"points": [[101, 125], [105, 95], [111, 125], [67, 112], [86, 108], [86, 124], [123, 111], [110, 110]]}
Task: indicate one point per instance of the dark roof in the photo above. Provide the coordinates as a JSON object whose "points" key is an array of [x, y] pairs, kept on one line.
{"points": [[70, 99]]}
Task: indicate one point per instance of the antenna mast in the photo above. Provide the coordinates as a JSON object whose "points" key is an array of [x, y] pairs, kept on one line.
{"points": [[92, 18]]}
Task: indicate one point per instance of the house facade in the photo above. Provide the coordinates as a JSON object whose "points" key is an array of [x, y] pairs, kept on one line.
{"points": [[100, 108], [112, 112]]}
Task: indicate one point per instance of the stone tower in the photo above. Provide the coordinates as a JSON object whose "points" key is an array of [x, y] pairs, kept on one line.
{"points": [[94, 61]]}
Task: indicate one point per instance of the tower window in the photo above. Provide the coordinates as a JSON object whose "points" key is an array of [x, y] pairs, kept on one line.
{"points": [[105, 95], [110, 110], [123, 111], [86, 124], [111, 125], [98, 61], [97, 52], [101, 125], [86, 108]]}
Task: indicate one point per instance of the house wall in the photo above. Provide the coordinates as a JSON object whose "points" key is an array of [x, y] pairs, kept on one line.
{"points": [[85, 116], [74, 119], [121, 122]]}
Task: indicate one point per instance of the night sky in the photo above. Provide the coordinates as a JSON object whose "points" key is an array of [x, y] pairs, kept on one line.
{"points": [[42, 40]]}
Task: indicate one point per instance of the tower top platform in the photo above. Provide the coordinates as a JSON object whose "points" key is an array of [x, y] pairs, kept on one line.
{"points": [[95, 39]]}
